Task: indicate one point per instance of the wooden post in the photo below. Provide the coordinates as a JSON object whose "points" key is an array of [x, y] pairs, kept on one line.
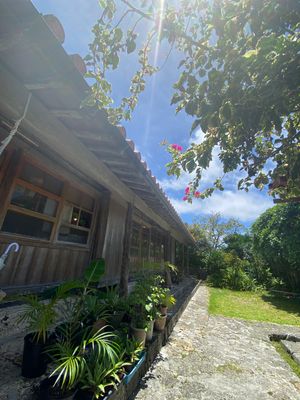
{"points": [[183, 259], [168, 258], [101, 225], [126, 249]]}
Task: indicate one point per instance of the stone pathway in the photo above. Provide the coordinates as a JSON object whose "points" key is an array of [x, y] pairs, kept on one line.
{"points": [[218, 358]]}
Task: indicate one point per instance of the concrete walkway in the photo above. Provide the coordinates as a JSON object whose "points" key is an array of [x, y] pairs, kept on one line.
{"points": [[218, 358]]}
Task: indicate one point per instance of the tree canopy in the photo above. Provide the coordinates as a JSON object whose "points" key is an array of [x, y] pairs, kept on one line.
{"points": [[238, 76], [210, 231], [276, 238]]}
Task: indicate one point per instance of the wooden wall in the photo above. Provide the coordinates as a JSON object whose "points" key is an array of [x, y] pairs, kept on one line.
{"points": [[40, 261], [35, 264], [113, 244]]}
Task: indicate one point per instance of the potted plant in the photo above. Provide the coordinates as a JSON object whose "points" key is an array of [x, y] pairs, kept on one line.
{"points": [[70, 360], [139, 323], [160, 322], [166, 300], [116, 306], [100, 375], [39, 316]]}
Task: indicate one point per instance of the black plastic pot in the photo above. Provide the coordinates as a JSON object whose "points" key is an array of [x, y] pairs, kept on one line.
{"points": [[87, 395], [50, 392], [84, 395], [34, 362]]}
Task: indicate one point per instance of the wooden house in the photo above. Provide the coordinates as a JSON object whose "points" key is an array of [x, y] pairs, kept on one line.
{"points": [[72, 187]]}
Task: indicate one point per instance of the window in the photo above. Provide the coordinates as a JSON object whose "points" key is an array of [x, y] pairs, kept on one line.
{"points": [[33, 204], [44, 207], [75, 226]]}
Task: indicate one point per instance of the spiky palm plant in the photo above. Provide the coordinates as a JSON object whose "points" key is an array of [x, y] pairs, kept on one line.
{"points": [[71, 360], [39, 316]]}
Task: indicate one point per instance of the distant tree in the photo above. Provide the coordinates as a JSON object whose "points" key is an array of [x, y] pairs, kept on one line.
{"points": [[276, 236], [210, 231], [239, 244], [238, 77]]}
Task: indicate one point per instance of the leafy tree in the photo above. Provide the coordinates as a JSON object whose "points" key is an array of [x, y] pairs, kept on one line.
{"points": [[210, 231], [239, 244], [239, 77], [276, 235]]}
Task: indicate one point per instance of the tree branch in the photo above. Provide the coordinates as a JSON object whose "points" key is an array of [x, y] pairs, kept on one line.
{"points": [[137, 10]]}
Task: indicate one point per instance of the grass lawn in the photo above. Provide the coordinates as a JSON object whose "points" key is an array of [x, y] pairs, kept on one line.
{"points": [[281, 350], [257, 306]]}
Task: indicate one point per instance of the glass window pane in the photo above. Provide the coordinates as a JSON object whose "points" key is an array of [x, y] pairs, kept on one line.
{"points": [[75, 216], [41, 179], [33, 201], [26, 225], [85, 219], [72, 235], [67, 213]]}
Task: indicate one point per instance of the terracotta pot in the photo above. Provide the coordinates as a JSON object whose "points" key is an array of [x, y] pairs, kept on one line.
{"points": [[149, 333], [163, 310], [139, 335], [55, 26], [160, 323]]}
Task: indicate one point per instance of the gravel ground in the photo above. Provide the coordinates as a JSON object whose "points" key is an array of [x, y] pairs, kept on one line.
{"points": [[218, 358]]}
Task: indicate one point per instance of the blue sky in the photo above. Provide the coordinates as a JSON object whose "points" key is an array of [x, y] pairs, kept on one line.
{"points": [[154, 120]]}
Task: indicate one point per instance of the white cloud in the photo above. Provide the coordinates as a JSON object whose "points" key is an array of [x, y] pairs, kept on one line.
{"points": [[244, 206]]}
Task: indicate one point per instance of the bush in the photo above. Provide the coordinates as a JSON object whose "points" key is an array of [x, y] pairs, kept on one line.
{"points": [[227, 270]]}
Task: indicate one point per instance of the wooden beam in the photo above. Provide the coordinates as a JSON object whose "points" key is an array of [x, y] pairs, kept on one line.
{"points": [[126, 249], [103, 152], [84, 134], [44, 85], [61, 113]]}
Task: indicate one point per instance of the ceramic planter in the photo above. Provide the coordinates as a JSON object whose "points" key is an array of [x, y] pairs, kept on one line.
{"points": [[160, 323], [34, 362], [149, 332], [139, 335]]}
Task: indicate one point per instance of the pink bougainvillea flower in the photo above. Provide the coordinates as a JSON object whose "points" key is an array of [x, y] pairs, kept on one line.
{"points": [[185, 198], [176, 147], [197, 194], [187, 190]]}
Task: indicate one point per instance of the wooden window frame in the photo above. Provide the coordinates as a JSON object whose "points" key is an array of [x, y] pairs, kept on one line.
{"points": [[81, 228], [57, 219]]}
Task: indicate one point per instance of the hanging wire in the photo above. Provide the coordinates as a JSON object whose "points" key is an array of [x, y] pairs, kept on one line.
{"points": [[15, 128]]}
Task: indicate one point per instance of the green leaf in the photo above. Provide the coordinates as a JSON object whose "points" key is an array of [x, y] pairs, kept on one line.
{"points": [[131, 46], [95, 271], [118, 34], [102, 3], [250, 53]]}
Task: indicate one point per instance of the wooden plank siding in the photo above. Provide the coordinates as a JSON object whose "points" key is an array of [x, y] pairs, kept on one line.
{"points": [[34, 265]]}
